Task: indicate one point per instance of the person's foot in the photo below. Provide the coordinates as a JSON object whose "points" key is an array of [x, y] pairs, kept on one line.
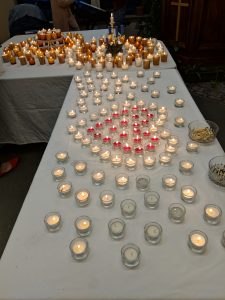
{"points": [[9, 165]]}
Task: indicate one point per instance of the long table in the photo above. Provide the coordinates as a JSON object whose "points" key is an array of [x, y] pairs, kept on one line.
{"points": [[34, 95], [37, 264]]}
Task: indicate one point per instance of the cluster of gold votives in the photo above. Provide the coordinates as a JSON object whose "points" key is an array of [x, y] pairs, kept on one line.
{"points": [[51, 45]]}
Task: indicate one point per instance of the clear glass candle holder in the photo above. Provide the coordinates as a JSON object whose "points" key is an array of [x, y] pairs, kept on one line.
{"points": [[165, 133], [95, 148], [155, 93], [186, 167], [188, 193], [122, 181], [169, 182], [82, 197], [179, 102], [107, 198], [197, 241], [62, 156], [165, 159], [86, 141], [148, 161], [105, 155], [171, 149], [153, 233], [156, 74], [176, 212], [151, 199], [71, 113], [58, 173], [98, 177], [79, 248], [142, 182], [116, 159], [64, 189], [171, 89], [140, 73], [116, 228], [128, 208], [212, 214], [130, 163], [71, 129], [83, 225], [80, 167], [173, 140], [77, 137], [53, 221], [192, 147], [130, 254], [179, 121]]}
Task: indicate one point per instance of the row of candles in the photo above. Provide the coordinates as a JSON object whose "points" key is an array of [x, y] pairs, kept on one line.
{"points": [[79, 247]]}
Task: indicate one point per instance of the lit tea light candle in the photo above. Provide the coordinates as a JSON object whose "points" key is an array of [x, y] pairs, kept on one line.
{"points": [[155, 93], [116, 114], [105, 155], [212, 214], [79, 249], [103, 112], [140, 73], [171, 149], [78, 136], [77, 79], [85, 141], [165, 159], [188, 193], [116, 228], [146, 134], [124, 135], [179, 122], [169, 182], [130, 255], [117, 144], [93, 117], [150, 147], [80, 86], [114, 75], [139, 150], [83, 94], [113, 129], [99, 75], [186, 167], [118, 90], [83, 226], [155, 139], [126, 104], [53, 221], [116, 160], [130, 96], [98, 177], [173, 140], [153, 106], [130, 163], [80, 167], [197, 241], [122, 181], [179, 102], [127, 148], [153, 233], [142, 182], [124, 122], [149, 161], [87, 73], [62, 156], [133, 84], [95, 149], [110, 97], [82, 123], [97, 94], [118, 83], [192, 147], [128, 208], [83, 109], [171, 89], [176, 212], [82, 197], [153, 128], [151, 199], [107, 198], [64, 188], [71, 113], [137, 139], [104, 87], [165, 133], [97, 101], [99, 125], [58, 173], [162, 110], [81, 101], [125, 78], [97, 136]]}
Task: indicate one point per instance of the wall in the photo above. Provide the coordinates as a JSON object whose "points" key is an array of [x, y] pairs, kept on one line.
{"points": [[5, 6]]}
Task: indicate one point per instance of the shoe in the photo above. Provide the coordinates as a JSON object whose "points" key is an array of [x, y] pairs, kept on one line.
{"points": [[8, 166]]}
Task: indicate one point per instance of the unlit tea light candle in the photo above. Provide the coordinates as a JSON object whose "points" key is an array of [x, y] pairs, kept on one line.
{"points": [[176, 212], [130, 255], [151, 199], [116, 228], [153, 233]]}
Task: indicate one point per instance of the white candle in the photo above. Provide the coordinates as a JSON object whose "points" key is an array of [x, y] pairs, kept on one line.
{"points": [[83, 225], [79, 248], [107, 198], [133, 84], [116, 160], [169, 182], [128, 208], [82, 197], [155, 94], [78, 136], [197, 241], [165, 133], [80, 167], [71, 113], [53, 221], [179, 102], [78, 65], [62, 156], [186, 167], [171, 89], [116, 228], [64, 188], [138, 61], [58, 173], [149, 161], [212, 214], [98, 177], [105, 155], [130, 255], [130, 163], [71, 129], [188, 193], [192, 147], [179, 122]]}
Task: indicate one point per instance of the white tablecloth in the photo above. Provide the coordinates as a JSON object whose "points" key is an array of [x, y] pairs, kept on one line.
{"points": [[37, 264], [34, 95]]}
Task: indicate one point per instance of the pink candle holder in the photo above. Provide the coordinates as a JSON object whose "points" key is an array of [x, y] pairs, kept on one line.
{"points": [[127, 148], [106, 140], [135, 108], [125, 112], [135, 117], [108, 121], [138, 150], [137, 139], [150, 116], [117, 145], [136, 125], [144, 122], [99, 125], [113, 129], [155, 140], [116, 115], [124, 122], [144, 111], [97, 136], [124, 135], [136, 131], [90, 130], [150, 147], [146, 134]]}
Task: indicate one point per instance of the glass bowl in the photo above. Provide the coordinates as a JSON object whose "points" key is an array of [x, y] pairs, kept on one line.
{"points": [[203, 131], [217, 170]]}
